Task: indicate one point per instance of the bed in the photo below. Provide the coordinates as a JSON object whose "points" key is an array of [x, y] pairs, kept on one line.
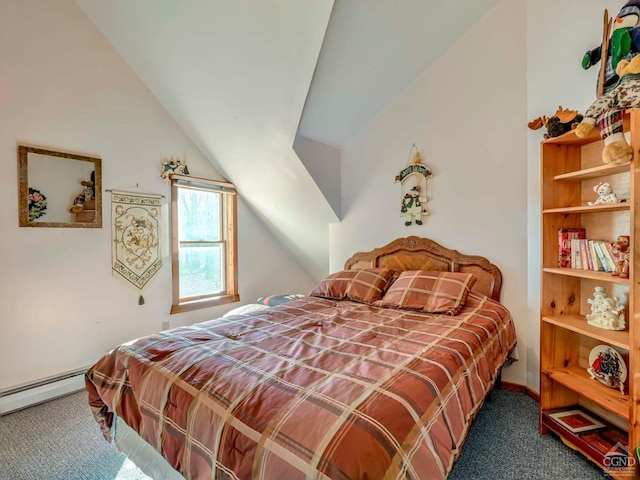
{"points": [[377, 374]]}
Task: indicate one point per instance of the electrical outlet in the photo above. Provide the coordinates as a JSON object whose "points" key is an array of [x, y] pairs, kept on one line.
{"points": [[165, 325]]}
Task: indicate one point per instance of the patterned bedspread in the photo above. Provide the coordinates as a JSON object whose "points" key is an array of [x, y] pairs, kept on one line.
{"points": [[311, 389]]}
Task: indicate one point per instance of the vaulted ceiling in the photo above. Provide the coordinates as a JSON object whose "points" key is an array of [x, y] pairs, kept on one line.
{"points": [[242, 77]]}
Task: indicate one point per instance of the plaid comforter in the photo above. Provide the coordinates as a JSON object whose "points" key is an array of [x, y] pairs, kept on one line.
{"points": [[311, 389]]}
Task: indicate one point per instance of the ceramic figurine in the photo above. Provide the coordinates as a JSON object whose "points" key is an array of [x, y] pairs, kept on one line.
{"points": [[621, 251], [606, 196], [606, 312]]}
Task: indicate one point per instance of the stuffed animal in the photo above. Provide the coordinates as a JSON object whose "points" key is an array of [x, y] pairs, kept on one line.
{"points": [[606, 195], [412, 206], [608, 110], [623, 44], [87, 193], [621, 250], [561, 122]]}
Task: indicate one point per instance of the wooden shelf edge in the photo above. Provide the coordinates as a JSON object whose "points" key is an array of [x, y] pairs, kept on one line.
{"points": [[590, 274], [578, 380], [578, 324], [589, 208], [593, 172], [570, 137]]}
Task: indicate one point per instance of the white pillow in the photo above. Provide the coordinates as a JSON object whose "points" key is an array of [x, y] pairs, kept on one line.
{"points": [[251, 307]]}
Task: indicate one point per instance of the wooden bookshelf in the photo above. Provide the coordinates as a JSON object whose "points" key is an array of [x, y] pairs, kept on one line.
{"points": [[570, 167]]}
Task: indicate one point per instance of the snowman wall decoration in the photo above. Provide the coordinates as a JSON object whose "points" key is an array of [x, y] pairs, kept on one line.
{"points": [[412, 206], [413, 178]]}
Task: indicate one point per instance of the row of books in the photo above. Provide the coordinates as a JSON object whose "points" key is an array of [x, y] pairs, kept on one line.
{"points": [[576, 251]]}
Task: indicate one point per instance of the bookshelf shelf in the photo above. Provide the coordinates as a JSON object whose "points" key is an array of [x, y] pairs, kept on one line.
{"points": [[578, 324], [578, 380], [575, 272], [589, 208], [593, 172], [570, 168]]}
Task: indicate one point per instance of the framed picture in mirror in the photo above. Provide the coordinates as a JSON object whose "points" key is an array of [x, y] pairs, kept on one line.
{"points": [[58, 189]]}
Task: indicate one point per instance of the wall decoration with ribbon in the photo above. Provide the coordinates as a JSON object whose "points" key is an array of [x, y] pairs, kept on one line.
{"points": [[413, 180], [135, 251]]}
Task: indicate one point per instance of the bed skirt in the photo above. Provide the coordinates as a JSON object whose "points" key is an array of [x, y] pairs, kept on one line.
{"points": [[143, 455]]}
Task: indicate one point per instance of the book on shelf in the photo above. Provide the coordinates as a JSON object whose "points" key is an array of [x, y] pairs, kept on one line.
{"points": [[578, 252], [565, 235], [597, 260], [585, 253], [600, 250], [576, 257]]}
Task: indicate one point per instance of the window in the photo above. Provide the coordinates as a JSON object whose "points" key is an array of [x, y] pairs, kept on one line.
{"points": [[204, 257]]}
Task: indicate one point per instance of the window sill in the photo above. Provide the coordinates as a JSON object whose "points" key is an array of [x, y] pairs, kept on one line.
{"points": [[206, 303]]}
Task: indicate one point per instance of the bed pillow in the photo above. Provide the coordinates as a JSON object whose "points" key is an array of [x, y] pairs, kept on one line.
{"points": [[249, 308], [433, 292], [366, 285], [273, 300]]}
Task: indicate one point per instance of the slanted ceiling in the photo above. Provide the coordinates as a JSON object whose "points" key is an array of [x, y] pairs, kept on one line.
{"points": [[235, 75]]}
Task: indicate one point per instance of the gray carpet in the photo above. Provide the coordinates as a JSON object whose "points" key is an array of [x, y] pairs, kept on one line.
{"points": [[59, 440]]}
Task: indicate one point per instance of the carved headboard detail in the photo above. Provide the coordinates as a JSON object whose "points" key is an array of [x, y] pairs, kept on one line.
{"points": [[416, 253]]}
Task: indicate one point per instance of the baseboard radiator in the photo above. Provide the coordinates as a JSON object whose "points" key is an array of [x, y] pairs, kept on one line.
{"points": [[33, 393]]}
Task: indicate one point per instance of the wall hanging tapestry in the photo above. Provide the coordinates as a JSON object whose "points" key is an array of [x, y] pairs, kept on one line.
{"points": [[413, 179], [135, 252]]}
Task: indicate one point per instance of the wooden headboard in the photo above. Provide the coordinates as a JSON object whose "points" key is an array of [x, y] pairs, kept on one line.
{"points": [[415, 253]]}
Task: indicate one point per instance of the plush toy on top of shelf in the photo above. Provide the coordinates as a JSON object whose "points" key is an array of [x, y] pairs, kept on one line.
{"points": [[621, 41], [564, 120], [607, 113]]}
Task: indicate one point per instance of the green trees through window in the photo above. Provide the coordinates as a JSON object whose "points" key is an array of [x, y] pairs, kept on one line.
{"points": [[203, 242]]}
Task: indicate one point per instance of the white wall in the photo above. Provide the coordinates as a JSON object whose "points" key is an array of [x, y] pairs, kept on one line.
{"points": [[63, 86], [558, 35], [242, 102], [323, 164], [467, 115]]}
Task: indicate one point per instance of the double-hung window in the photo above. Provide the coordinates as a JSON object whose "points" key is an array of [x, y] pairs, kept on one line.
{"points": [[204, 244]]}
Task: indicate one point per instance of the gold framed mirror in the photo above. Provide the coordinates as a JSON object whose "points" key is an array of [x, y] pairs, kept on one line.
{"points": [[58, 189]]}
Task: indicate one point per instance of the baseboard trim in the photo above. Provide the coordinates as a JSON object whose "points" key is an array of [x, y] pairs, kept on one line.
{"points": [[33, 393], [521, 388]]}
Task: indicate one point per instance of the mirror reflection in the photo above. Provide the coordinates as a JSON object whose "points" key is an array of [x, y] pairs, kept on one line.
{"points": [[58, 189]]}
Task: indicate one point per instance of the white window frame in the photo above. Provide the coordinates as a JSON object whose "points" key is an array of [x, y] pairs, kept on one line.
{"points": [[229, 240]]}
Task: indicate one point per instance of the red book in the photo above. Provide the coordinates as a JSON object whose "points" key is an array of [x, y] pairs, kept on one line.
{"points": [[565, 235]]}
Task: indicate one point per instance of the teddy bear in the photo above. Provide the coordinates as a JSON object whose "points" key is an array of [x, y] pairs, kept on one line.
{"points": [[87, 193], [606, 195], [608, 110], [621, 251], [412, 206]]}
